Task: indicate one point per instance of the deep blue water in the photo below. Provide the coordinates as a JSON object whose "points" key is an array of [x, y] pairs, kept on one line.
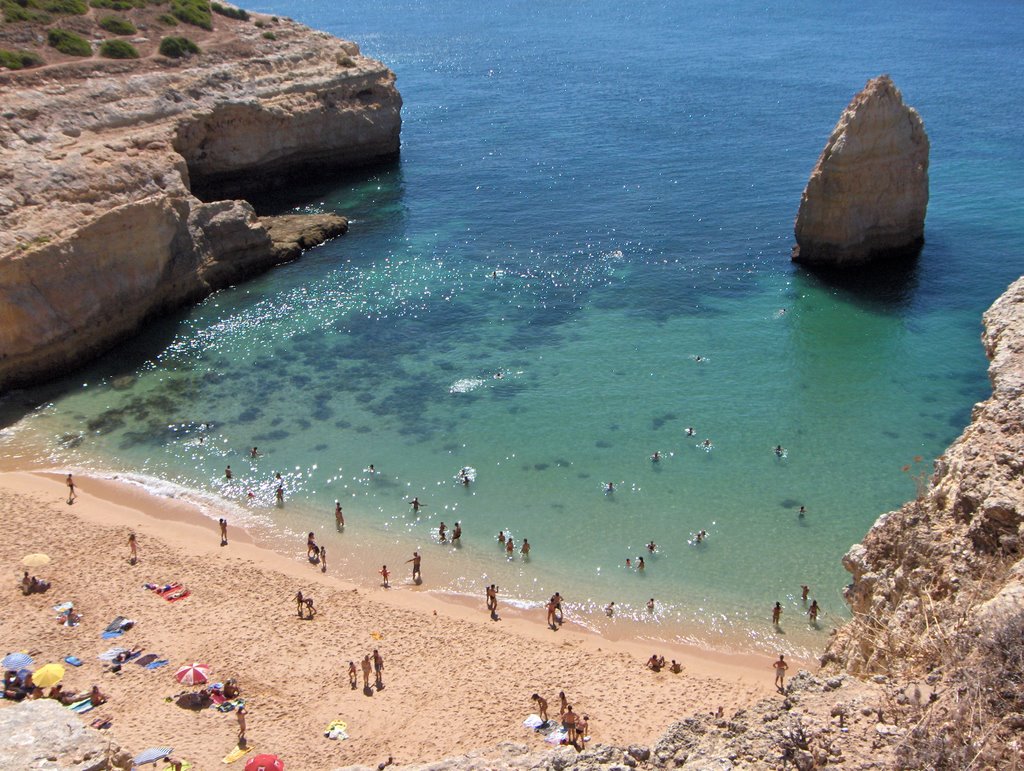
{"points": [[591, 195]]}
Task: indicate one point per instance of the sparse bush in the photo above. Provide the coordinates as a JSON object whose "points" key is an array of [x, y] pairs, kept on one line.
{"points": [[270, 36], [18, 60], [177, 47], [232, 13], [15, 11], [118, 5], [117, 25], [344, 60], [118, 49], [167, 20], [69, 43], [194, 12], [65, 7]]}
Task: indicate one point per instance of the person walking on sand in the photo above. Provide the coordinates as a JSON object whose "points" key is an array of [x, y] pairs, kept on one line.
{"points": [[323, 559], [551, 614], [353, 676], [223, 531], [312, 550], [385, 574], [492, 598], [133, 546], [71, 489], [366, 666], [542, 707], [416, 575], [780, 671], [339, 516], [776, 613], [812, 612]]}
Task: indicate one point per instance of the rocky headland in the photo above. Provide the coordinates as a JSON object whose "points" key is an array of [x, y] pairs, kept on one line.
{"points": [[123, 184], [867, 195]]}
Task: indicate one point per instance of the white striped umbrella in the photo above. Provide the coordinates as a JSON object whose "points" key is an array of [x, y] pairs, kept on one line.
{"points": [[193, 674], [16, 661], [152, 755]]}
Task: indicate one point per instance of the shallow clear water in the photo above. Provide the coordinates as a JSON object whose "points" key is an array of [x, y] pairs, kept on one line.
{"points": [[591, 196]]}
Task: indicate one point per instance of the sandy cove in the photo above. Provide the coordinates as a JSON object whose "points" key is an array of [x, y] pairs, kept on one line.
{"points": [[453, 679]]}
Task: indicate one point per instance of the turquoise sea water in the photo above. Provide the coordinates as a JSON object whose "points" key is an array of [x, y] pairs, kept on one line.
{"points": [[592, 195]]}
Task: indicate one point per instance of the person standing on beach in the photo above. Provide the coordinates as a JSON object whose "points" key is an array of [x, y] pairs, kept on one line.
{"points": [[299, 601], [416, 576], [312, 550], [563, 703], [780, 671], [323, 559], [385, 574], [339, 517], [71, 489], [366, 671], [776, 613], [353, 676], [240, 714], [542, 707], [551, 613], [378, 668], [223, 531], [133, 546]]}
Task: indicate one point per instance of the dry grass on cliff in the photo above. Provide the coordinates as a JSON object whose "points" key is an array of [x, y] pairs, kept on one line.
{"points": [[975, 720]]}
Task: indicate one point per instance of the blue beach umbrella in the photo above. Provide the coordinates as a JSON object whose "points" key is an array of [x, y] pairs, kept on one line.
{"points": [[16, 661], [152, 755]]}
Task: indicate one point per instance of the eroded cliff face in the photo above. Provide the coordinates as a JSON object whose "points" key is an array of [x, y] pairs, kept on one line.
{"points": [[868, 193], [101, 226], [938, 585]]}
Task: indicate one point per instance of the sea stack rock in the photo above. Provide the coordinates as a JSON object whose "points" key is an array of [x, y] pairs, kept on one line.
{"points": [[868, 193]]}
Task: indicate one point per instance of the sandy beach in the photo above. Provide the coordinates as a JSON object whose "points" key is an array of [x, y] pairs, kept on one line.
{"points": [[454, 680]]}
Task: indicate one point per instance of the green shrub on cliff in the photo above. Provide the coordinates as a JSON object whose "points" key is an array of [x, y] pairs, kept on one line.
{"points": [[65, 7], [270, 36], [122, 5], [17, 12], [118, 49], [195, 12], [69, 43], [176, 47], [167, 20], [18, 60], [117, 25], [232, 13]]}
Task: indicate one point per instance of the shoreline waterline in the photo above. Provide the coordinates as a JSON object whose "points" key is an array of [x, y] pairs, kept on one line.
{"points": [[635, 638]]}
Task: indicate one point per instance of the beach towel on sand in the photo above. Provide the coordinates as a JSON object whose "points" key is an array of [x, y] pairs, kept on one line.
{"points": [[236, 753], [557, 736], [110, 655], [73, 661], [148, 659], [81, 707], [157, 664], [533, 721], [336, 730]]}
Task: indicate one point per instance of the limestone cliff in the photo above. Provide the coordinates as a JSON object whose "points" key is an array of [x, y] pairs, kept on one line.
{"points": [[868, 193], [114, 175], [938, 586]]}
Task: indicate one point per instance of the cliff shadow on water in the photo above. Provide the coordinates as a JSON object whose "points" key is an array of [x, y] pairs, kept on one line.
{"points": [[373, 190], [118, 366], [888, 286]]}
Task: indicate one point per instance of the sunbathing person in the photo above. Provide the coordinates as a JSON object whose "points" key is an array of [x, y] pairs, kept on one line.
{"points": [[38, 585], [96, 697], [656, 662], [231, 689]]}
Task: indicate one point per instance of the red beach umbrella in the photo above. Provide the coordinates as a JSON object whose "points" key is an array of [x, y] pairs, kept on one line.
{"points": [[193, 674], [264, 763]]}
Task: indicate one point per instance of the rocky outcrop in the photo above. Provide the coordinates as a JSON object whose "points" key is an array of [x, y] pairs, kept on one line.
{"points": [[868, 193], [43, 734], [119, 183], [938, 585]]}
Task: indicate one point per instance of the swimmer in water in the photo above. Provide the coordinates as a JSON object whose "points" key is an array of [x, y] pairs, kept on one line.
{"points": [[690, 431], [254, 452], [706, 444], [640, 563], [609, 488], [698, 358], [370, 469], [501, 536], [629, 562], [656, 457], [650, 605], [609, 609], [779, 451], [651, 547], [441, 533], [464, 476], [416, 505], [801, 512]]}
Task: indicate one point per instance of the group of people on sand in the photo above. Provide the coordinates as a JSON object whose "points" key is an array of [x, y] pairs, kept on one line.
{"points": [[656, 663], [18, 687], [371, 662], [576, 727], [33, 585], [315, 553], [554, 611]]}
